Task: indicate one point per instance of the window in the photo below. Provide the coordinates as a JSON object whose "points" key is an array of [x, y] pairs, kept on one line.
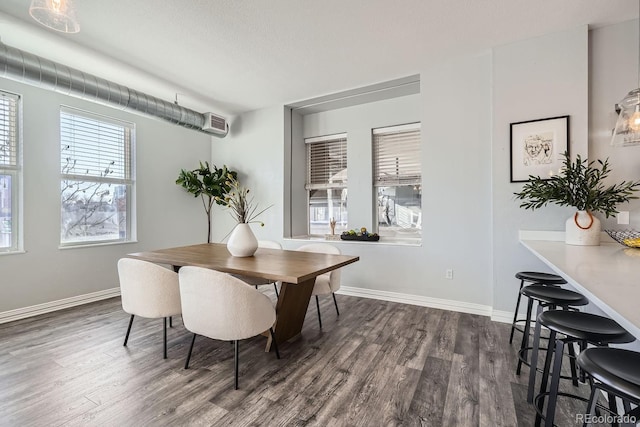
{"points": [[97, 178], [327, 183], [10, 172], [397, 180]]}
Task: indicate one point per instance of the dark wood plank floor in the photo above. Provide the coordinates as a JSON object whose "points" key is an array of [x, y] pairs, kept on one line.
{"points": [[379, 363]]}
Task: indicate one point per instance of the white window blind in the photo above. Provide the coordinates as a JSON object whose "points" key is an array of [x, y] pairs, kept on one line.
{"points": [[95, 147], [326, 162], [10, 173], [8, 131], [97, 178], [396, 152]]}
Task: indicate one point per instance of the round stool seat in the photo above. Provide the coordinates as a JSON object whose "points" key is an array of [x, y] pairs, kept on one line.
{"points": [[585, 326], [547, 279], [539, 277], [573, 326], [613, 367], [553, 295]]}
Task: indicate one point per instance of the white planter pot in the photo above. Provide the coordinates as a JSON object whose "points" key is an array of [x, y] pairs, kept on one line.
{"points": [[583, 229], [242, 242]]}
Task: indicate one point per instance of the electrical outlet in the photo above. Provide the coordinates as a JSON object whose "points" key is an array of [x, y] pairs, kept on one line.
{"points": [[448, 274], [623, 217]]}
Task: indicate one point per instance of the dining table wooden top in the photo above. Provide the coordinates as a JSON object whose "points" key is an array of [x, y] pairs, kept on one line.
{"points": [[272, 264]]}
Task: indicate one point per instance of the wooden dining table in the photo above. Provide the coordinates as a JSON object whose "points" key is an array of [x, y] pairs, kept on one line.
{"points": [[295, 269]]}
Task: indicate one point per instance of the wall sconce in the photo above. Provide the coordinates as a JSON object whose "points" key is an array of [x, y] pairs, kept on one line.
{"points": [[627, 130], [58, 15]]}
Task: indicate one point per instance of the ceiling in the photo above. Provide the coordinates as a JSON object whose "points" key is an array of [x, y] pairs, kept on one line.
{"points": [[232, 56]]}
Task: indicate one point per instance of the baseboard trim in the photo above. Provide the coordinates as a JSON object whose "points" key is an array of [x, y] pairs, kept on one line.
{"points": [[502, 316], [48, 307], [443, 304]]}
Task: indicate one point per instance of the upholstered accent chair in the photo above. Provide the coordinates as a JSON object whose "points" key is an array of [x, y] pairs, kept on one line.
{"points": [[148, 290], [222, 307]]}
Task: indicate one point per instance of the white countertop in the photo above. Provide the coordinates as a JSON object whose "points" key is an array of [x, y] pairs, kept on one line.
{"points": [[609, 275]]}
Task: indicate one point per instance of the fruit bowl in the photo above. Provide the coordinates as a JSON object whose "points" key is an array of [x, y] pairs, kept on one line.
{"points": [[628, 238]]}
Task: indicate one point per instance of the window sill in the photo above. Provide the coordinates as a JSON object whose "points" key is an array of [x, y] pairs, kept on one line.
{"points": [[13, 252], [385, 241], [93, 245]]}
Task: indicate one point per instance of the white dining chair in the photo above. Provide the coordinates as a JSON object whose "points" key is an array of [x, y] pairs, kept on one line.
{"points": [[148, 290], [222, 307], [327, 283]]}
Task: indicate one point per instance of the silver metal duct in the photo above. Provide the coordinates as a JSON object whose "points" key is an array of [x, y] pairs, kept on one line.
{"points": [[25, 67]]}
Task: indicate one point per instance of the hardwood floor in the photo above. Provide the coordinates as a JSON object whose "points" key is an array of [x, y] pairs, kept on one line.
{"points": [[378, 364]]}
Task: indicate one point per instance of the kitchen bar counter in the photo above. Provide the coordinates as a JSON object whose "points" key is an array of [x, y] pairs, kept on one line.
{"points": [[609, 275]]}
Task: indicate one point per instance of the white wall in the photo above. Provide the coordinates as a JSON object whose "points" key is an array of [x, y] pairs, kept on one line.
{"points": [[613, 68], [456, 186], [255, 149], [471, 219], [167, 215], [456, 129], [357, 122], [533, 79]]}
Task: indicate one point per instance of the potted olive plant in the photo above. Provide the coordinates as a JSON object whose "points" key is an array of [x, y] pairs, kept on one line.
{"points": [[579, 184], [208, 183]]}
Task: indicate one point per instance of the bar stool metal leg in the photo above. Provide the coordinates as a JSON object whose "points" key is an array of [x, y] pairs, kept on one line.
{"points": [[591, 406], [547, 369], [515, 315], [534, 358], [613, 407], [572, 364], [555, 384], [525, 334]]}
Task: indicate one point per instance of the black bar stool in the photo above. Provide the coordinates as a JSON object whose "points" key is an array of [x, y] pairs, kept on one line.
{"points": [[550, 297], [575, 326], [617, 372], [532, 277]]}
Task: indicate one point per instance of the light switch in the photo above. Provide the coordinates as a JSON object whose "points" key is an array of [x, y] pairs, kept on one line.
{"points": [[623, 217]]}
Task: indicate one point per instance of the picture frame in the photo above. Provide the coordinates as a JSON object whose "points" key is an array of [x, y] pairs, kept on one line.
{"points": [[537, 147]]}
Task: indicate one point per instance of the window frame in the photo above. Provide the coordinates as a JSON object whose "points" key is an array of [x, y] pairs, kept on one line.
{"points": [[309, 186], [402, 181], [15, 172], [129, 179]]}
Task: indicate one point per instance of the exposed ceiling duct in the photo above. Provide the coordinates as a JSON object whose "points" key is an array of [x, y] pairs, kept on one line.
{"points": [[25, 67]]}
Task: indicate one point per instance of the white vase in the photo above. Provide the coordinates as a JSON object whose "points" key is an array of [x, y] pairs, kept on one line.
{"points": [[583, 229], [242, 242]]}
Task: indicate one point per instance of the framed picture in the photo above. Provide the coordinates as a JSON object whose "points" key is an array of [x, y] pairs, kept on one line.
{"points": [[537, 147]]}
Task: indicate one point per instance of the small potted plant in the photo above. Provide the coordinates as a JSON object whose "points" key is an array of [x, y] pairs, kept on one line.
{"points": [[579, 184]]}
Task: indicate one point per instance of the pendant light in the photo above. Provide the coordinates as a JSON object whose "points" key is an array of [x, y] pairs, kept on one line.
{"points": [[627, 130], [58, 15]]}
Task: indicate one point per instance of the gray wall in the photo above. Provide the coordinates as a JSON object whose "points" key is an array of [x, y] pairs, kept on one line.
{"points": [[357, 122], [456, 183], [533, 79], [255, 149], [166, 214], [471, 220], [613, 69]]}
